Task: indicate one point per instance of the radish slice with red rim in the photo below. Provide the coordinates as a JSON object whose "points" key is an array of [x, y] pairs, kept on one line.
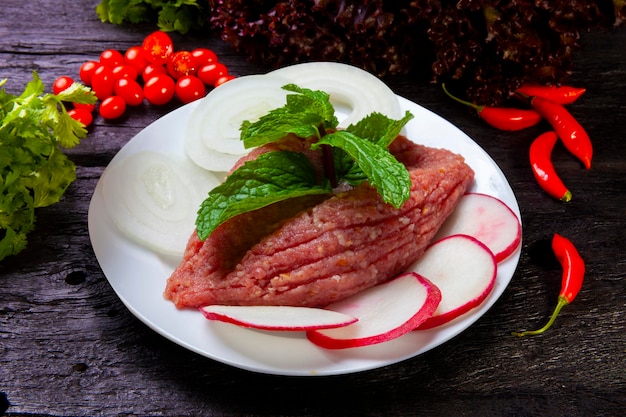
{"points": [[489, 220], [277, 318], [384, 312], [463, 269]]}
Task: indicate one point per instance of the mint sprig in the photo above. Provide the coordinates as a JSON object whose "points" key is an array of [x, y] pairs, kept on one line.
{"points": [[379, 166], [359, 153], [272, 177], [307, 113]]}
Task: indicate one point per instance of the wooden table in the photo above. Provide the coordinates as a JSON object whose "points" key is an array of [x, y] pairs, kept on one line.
{"points": [[68, 346]]}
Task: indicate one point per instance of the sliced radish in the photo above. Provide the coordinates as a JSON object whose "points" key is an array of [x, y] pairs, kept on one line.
{"points": [[154, 198], [384, 312], [212, 136], [353, 92], [463, 269], [489, 220], [278, 318]]}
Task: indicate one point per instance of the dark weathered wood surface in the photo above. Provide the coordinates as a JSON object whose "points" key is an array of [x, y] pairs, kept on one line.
{"points": [[69, 347]]}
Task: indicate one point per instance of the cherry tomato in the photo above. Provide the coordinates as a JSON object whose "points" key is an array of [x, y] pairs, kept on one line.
{"points": [[136, 57], [61, 84], [82, 115], [84, 106], [112, 107], [204, 56], [130, 91], [223, 79], [189, 88], [210, 73], [111, 58], [151, 70], [159, 89], [124, 71], [102, 82], [87, 70], [158, 47], [182, 63]]}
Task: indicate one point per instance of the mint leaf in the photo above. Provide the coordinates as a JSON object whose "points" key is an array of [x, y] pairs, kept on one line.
{"points": [[379, 128], [306, 113], [272, 177], [358, 154], [381, 168]]}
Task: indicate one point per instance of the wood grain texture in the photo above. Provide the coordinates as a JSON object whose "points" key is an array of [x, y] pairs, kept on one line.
{"points": [[68, 346]]}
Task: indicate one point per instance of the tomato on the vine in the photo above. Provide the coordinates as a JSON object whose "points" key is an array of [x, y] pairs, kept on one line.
{"points": [[158, 47], [112, 107], [151, 70], [61, 83], [189, 88], [102, 82], [136, 57], [210, 73], [159, 89], [82, 115], [111, 58], [181, 63], [130, 91], [204, 56]]}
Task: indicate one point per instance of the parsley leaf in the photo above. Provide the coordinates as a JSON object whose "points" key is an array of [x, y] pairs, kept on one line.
{"points": [[34, 172], [272, 177]]}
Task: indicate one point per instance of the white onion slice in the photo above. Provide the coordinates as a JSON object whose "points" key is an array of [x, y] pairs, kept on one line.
{"points": [[212, 136], [154, 199], [353, 92]]}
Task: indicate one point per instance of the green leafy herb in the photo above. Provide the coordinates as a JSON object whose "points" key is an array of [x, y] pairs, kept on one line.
{"points": [[272, 177], [303, 115], [170, 15], [360, 153], [379, 166], [379, 129], [34, 172]]}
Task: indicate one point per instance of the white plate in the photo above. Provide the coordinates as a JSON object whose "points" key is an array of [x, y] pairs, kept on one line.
{"points": [[138, 275]]}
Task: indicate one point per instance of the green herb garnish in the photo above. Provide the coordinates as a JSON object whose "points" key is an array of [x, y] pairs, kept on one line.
{"points": [[34, 172], [358, 153], [170, 15]]}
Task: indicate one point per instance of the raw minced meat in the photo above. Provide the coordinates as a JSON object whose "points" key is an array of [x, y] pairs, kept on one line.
{"points": [[310, 252]]}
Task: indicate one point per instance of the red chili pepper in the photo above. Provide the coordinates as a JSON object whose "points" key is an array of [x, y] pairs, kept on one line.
{"points": [[503, 118], [540, 155], [572, 134], [571, 282], [559, 94]]}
